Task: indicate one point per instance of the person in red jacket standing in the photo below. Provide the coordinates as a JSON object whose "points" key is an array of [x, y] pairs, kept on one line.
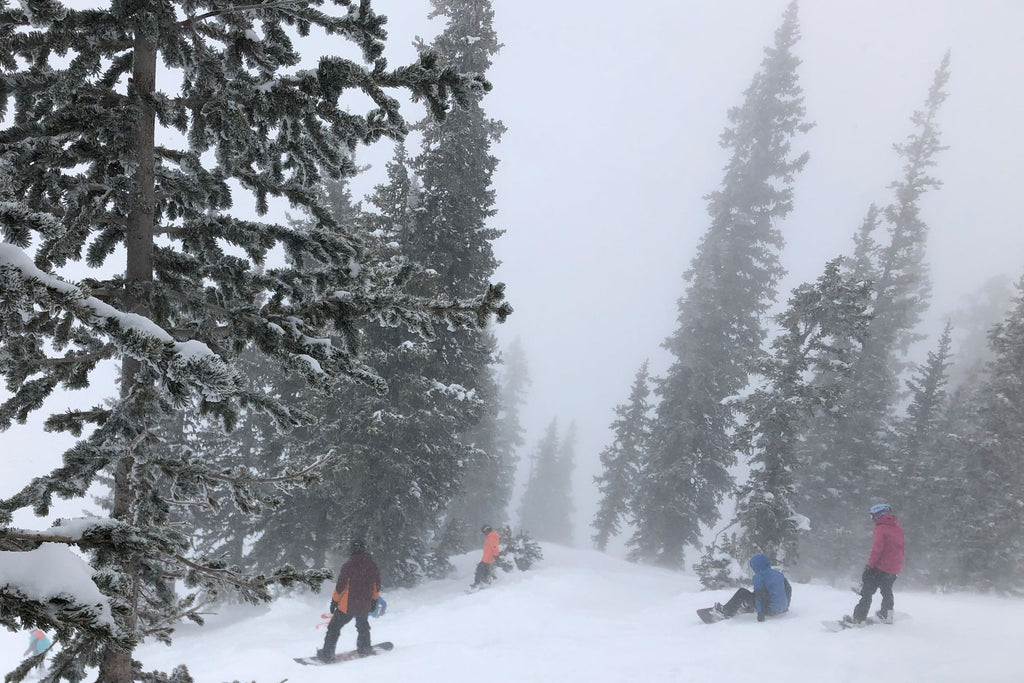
{"points": [[884, 563], [485, 568], [355, 596]]}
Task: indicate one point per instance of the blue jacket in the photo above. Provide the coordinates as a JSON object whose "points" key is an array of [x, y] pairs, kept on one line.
{"points": [[37, 645], [771, 590]]}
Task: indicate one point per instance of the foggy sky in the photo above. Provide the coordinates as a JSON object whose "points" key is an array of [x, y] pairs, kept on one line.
{"points": [[614, 112]]}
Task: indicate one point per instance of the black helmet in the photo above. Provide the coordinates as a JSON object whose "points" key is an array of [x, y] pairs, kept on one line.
{"points": [[486, 529], [357, 546]]}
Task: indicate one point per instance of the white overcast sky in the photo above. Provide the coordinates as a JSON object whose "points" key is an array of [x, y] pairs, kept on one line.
{"points": [[614, 111]]}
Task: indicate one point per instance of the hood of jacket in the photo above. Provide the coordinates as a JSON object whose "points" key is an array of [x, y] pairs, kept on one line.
{"points": [[760, 562], [889, 519]]}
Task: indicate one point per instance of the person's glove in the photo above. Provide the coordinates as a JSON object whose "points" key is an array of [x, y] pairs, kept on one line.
{"points": [[378, 608], [761, 616], [334, 606], [868, 572]]}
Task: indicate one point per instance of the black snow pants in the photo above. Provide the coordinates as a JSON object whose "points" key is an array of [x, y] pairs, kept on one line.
{"points": [[362, 630], [741, 602], [484, 573], [872, 580]]}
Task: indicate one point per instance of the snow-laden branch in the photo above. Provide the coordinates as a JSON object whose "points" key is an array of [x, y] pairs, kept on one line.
{"points": [[58, 581], [241, 8], [93, 312]]}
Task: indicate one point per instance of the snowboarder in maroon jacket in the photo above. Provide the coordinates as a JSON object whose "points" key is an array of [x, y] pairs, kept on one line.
{"points": [[884, 563], [355, 596]]}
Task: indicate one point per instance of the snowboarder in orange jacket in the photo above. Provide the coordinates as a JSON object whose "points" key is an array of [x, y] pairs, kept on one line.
{"points": [[485, 568]]}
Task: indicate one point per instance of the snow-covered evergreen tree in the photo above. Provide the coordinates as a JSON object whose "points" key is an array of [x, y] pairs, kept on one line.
{"points": [[720, 334], [915, 469], [95, 178], [408, 454], [401, 454], [916, 432], [847, 452], [545, 511], [563, 504], [515, 385], [997, 516], [487, 485], [518, 550], [285, 527], [449, 231], [223, 527], [947, 504], [822, 331], [621, 461]]}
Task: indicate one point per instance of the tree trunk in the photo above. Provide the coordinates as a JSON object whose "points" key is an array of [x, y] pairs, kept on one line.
{"points": [[324, 533], [117, 665]]}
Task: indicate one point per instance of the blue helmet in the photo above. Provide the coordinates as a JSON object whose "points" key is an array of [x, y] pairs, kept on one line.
{"points": [[880, 510]]}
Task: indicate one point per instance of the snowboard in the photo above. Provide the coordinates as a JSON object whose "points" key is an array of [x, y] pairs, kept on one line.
{"points": [[345, 656], [840, 625], [710, 615]]}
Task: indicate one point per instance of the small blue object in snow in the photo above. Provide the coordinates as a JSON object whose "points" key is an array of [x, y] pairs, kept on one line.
{"points": [[380, 608]]}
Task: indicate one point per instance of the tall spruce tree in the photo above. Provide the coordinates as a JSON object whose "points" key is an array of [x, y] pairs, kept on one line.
{"points": [[410, 453], [486, 489], [915, 468], [260, 528], [822, 331], [564, 506], [546, 508], [450, 233], [437, 427], [306, 530], [847, 451], [997, 517], [401, 454], [968, 502], [222, 527], [90, 179], [515, 388], [947, 502], [621, 461], [916, 431], [720, 334]]}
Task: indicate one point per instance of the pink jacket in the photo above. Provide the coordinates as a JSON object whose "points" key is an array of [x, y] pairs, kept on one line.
{"points": [[887, 550]]}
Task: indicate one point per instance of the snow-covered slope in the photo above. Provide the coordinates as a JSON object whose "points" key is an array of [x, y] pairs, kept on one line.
{"points": [[583, 616]]}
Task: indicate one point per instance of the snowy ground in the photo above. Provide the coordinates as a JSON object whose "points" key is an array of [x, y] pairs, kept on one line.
{"points": [[583, 616]]}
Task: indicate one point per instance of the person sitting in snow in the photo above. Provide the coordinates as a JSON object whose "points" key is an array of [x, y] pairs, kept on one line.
{"points": [[38, 643], [355, 596], [884, 563], [771, 594], [485, 568]]}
